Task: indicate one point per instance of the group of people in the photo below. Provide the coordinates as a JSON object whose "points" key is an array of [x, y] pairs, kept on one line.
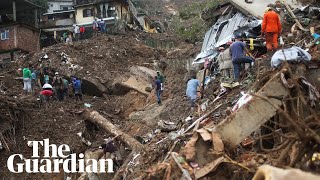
{"points": [[38, 80], [234, 55], [99, 26], [78, 31]]}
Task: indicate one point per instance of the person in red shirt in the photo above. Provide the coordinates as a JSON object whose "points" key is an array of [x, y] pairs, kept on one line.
{"points": [[46, 93], [271, 28], [82, 30]]}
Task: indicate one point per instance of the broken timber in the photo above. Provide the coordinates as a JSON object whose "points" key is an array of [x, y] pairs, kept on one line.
{"points": [[96, 118], [236, 127]]}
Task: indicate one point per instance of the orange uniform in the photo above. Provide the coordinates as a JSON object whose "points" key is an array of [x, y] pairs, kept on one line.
{"points": [[271, 26]]}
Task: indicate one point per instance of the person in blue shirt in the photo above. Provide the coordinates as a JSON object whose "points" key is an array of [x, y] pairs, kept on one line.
{"points": [[77, 88], [33, 81], [157, 83], [192, 89], [238, 52]]}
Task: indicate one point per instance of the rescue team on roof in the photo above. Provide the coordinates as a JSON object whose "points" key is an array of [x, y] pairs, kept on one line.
{"points": [[236, 53]]}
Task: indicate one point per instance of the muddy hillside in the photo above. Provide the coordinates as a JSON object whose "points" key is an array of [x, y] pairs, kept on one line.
{"points": [[160, 107]]}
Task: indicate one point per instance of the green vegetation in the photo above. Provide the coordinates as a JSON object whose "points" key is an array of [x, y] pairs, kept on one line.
{"points": [[42, 3], [189, 24]]}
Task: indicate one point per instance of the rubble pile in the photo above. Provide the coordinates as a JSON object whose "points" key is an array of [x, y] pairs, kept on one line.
{"points": [[266, 126]]}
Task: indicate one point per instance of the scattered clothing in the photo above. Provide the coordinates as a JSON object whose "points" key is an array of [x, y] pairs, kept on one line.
{"points": [[271, 26], [291, 54]]}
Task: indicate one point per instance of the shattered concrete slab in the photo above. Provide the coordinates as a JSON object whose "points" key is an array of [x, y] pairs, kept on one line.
{"points": [[150, 114], [140, 80], [247, 119]]}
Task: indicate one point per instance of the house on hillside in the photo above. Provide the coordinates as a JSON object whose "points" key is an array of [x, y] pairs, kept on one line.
{"points": [[19, 31], [108, 10], [58, 19], [146, 23], [60, 5]]}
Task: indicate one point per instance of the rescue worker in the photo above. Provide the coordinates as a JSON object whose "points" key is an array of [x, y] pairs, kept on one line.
{"points": [[192, 89], [27, 79], [238, 53], [157, 85], [225, 63], [58, 84], [161, 79], [46, 93], [271, 28], [77, 88]]}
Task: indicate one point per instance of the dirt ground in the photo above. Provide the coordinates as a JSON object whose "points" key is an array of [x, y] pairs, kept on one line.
{"points": [[108, 59]]}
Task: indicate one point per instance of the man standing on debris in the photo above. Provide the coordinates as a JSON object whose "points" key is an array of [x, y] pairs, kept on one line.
{"points": [[77, 32], [161, 79], [46, 93], [225, 63], [271, 28], [27, 79], [157, 83], [192, 89], [237, 51], [82, 30], [58, 84], [65, 87], [77, 88]]}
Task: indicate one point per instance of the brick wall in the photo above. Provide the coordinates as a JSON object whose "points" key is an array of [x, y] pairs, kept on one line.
{"points": [[8, 43], [20, 37], [27, 39]]}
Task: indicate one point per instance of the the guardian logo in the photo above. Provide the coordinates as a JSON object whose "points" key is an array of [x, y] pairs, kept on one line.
{"points": [[51, 162]]}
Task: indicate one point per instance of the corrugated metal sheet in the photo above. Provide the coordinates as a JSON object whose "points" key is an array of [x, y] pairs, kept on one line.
{"points": [[222, 32]]}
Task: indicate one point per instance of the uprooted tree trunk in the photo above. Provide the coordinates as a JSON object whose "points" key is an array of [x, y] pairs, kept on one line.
{"points": [[131, 142]]}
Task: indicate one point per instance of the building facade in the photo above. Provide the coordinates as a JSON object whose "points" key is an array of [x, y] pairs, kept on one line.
{"points": [[60, 5]]}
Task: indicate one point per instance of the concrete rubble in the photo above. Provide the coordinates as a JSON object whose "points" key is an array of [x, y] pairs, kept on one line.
{"points": [[266, 126]]}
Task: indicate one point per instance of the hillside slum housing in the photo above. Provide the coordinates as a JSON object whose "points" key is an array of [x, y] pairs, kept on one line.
{"points": [[18, 28], [84, 12]]}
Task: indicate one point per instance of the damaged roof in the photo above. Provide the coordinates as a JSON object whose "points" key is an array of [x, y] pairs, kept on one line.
{"points": [[242, 18], [222, 32]]}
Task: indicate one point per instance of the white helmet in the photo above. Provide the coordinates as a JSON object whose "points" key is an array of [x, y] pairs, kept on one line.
{"points": [[46, 86]]}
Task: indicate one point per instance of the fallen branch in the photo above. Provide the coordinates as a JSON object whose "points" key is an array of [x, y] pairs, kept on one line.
{"points": [[136, 146], [96, 118]]}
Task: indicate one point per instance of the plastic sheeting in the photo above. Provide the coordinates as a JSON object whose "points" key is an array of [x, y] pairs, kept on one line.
{"points": [[292, 54]]}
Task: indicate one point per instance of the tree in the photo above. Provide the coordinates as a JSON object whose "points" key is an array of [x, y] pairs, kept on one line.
{"points": [[42, 3]]}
